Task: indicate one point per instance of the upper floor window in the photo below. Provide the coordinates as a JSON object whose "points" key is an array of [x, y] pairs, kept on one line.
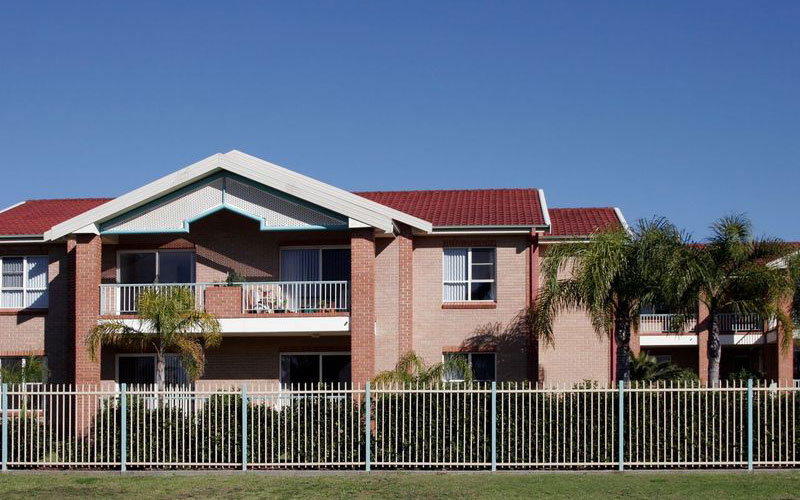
{"points": [[315, 264], [23, 282], [468, 274], [156, 266]]}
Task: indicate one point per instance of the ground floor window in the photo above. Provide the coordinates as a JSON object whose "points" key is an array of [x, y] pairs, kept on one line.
{"points": [[482, 364], [140, 369], [312, 368]]}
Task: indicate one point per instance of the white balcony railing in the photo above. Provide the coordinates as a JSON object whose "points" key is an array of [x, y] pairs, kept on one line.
{"points": [[732, 322], [662, 323], [263, 297], [295, 296]]}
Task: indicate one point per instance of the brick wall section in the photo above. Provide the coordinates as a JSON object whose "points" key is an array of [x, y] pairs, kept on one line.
{"points": [[224, 301], [702, 342], [387, 303], [405, 283], [42, 332], [85, 256], [362, 300], [579, 352], [435, 327], [780, 361]]}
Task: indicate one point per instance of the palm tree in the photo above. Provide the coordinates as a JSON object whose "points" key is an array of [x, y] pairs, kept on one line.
{"points": [[411, 369], [32, 371], [731, 273], [647, 368], [168, 322], [611, 277]]}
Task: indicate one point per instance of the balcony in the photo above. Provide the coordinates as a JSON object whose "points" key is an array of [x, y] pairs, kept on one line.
{"points": [[238, 299], [663, 323], [739, 323]]}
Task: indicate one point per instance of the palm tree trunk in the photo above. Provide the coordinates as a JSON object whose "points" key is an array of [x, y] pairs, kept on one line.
{"points": [[622, 334], [714, 351], [160, 370]]}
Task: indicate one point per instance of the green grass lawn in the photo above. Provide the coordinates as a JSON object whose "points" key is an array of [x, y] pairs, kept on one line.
{"points": [[705, 485]]}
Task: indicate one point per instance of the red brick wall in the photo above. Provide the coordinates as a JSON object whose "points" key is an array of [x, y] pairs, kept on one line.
{"points": [[224, 301], [435, 326], [362, 294], [405, 283], [85, 256], [387, 303], [579, 352], [44, 332]]}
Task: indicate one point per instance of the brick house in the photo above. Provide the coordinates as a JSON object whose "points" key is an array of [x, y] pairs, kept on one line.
{"points": [[314, 283]]}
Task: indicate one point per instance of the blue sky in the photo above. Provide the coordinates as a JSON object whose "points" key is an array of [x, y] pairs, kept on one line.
{"points": [[689, 110]]}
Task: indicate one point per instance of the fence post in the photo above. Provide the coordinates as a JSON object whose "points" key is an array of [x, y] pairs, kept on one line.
{"points": [[368, 429], [750, 424], [244, 427], [4, 403], [123, 394], [621, 425], [494, 426]]}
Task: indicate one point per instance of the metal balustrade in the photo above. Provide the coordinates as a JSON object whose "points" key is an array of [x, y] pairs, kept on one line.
{"points": [[733, 323], [257, 297], [662, 323]]}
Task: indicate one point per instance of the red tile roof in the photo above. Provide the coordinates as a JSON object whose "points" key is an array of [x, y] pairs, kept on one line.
{"points": [[466, 207], [581, 221], [34, 217], [479, 207]]}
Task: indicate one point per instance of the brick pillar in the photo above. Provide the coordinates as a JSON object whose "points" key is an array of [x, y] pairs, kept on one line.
{"points": [[533, 288], [84, 252], [362, 304], [780, 362], [703, 324], [405, 296]]}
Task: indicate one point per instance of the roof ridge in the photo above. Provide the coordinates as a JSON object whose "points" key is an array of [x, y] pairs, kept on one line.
{"points": [[474, 190], [96, 198]]}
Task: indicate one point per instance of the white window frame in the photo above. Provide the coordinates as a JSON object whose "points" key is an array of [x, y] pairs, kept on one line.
{"points": [[469, 360], [158, 261], [319, 249], [469, 281], [321, 354], [24, 288]]}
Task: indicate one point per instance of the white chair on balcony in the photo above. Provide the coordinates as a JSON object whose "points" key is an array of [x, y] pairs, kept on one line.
{"points": [[271, 299]]}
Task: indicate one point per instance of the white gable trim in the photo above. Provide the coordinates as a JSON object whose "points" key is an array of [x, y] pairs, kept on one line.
{"points": [[324, 195]]}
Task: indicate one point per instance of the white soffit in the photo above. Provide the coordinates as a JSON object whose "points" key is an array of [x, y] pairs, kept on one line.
{"points": [[305, 188]]}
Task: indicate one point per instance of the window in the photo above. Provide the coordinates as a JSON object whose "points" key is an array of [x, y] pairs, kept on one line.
{"points": [[161, 266], [312, 368], [482, 364], [140, 369], [23, 282], [663, 358], [468, 274], [315, 264]]}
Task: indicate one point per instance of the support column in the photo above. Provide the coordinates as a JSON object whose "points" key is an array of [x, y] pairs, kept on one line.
{"points": [[362, 304], [405, 296], [703, 324], [780, 362], [84, 253]]}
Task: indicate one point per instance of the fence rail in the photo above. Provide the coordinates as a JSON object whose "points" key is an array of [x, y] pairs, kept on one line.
{"points": [[444, 426]]}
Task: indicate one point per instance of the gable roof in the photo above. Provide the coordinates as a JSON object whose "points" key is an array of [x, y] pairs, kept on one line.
{"points": [[468, 207], [34, 217], [337, 200], [582, 222]]}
